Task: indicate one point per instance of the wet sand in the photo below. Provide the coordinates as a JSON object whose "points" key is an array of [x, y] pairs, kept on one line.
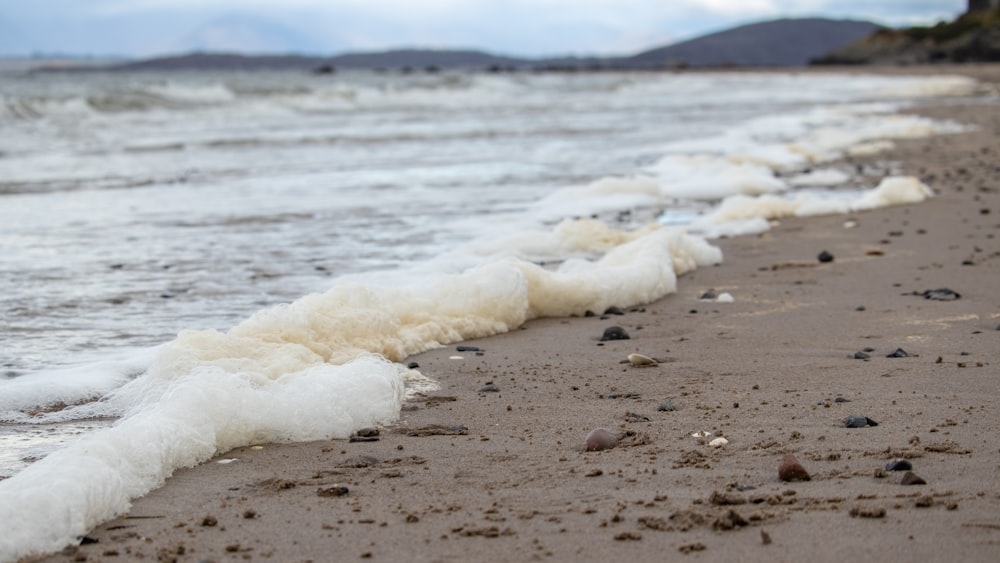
{"points": [[475, 473]]}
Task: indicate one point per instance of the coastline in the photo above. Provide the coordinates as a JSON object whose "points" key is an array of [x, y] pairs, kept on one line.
{"points": [[764, 371]]}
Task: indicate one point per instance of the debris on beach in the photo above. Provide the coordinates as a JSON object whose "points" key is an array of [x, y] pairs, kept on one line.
{"points": [[639, 361], [911, 478], [791, 470], [600, 439], [898, 353], [614, 333], [667, 406], [853, 421], [825, 257], [899, 465], [940, 294]]}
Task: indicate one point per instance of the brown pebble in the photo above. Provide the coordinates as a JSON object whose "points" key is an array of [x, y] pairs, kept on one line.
{"points": [[791, 470], [601, 439], [765, 538], [911, 478], [209, 521]]}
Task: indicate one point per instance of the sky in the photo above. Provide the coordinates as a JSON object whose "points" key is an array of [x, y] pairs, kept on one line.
{"points": [[147, 28]]}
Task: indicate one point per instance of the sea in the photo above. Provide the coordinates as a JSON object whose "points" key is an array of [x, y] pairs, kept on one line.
{"points": [[197, 261]]}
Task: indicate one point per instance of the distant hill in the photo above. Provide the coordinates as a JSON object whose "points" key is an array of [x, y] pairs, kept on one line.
{"points": [[972, 37], [784, 42]]}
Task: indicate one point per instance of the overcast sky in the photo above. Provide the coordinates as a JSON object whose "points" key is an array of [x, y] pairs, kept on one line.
{"points": [[516, 27]]}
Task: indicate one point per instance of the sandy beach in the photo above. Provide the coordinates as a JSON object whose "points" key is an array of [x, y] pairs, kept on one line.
{"points": [[901, 328]]}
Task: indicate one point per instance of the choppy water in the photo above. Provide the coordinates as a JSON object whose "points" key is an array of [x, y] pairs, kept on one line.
{"points": [[388, 213]]}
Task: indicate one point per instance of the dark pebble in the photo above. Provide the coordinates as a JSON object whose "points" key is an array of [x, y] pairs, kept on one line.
{"points": [[467, 348], [941, 294], [614, 310], [636, 417], [491, 388], [87, 540], [709, 295], [861, 356], [334, 491], [363, 439], [667, 406], [825, 257], [791, 470], [589, 313], [367, 432], [359, 461], [859, 422], [899, 465], [898, 353], [911, 478], [860, 308], [841, 400], [413, 365], [615, 333]]}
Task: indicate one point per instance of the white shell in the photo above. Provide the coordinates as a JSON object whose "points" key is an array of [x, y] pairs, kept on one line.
{"points": [[701, 434], [638, 360], [718, 442]]}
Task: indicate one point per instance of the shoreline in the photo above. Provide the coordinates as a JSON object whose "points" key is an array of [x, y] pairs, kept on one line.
{"points": [[764, 371]]}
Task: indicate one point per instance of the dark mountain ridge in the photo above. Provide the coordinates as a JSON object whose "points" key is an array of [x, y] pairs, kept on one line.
{"points": [[785, 42]]}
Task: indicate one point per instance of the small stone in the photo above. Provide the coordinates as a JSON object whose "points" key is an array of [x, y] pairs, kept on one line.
{"points": [[861, 356], [614, 333], [466, 349], [488, 388], [860, 308], [601, 439], [941, 294], [926, 501], [332, 491], [636, 417], [791, 470], [853, 421], [911, 478], [412, 365], [209, 521], [841, 400], [825, 257], [718, 442], [867, 512], [765, 538], [641, 361], [614, 310], [367, 432], [899, 465], [667, 406], [708, 295], [898, 353]]}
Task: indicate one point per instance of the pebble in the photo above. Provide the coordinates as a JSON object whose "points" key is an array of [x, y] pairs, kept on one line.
{"points": [[601, 439], [825, 257], [841, 400], [614, 310], [636, 417], [488, 388], [861, 356], [791, 470], [859, 422], [708, 295], [614, 333], [899, 465], [412, 365], [639, 361], [333, 491], [911, 478], [667, 406], [941, 294], [718, 442], [898, 353], [466, 349]]}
